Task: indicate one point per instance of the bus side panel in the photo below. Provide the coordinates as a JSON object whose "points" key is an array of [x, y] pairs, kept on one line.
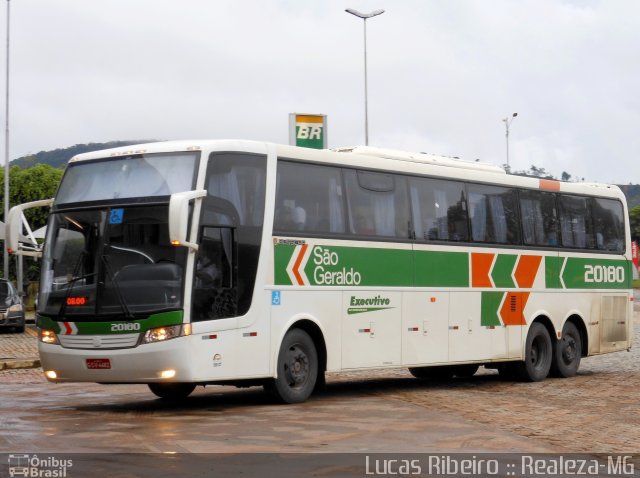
{"points": [[471, 336], [425, 328], [371, 328]]}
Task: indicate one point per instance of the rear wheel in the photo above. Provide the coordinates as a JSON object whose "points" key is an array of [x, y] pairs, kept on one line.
{"points": [[538, 355], [172, 391], [297, 368], [567, 352]]}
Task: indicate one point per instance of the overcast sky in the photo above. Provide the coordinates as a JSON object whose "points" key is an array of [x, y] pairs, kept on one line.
{"points": [[442, 76]]}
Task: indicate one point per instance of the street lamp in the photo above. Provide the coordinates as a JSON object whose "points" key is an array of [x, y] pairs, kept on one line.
{"points": [[507, 122], [6, 155], [364, 16]]}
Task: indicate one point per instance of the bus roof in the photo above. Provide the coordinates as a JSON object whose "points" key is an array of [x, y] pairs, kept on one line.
{"points": [[369, 157]]}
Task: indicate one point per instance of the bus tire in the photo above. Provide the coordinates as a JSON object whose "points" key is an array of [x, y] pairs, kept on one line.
{"points": [[297, 369], [567, 352], [172, 391], [466, 371], [538, 355], [438, 372]]}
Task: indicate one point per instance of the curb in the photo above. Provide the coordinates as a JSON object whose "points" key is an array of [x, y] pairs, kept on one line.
{"points": [[19, 364]]}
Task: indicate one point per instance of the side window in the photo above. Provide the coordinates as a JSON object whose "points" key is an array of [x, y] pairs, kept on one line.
{"points": [[234, 213], [608, 224], [214, 294], [377, 204], [576, 228], [439, 210], [308, 198], [239, 178], [539, 218], [493, 214]]}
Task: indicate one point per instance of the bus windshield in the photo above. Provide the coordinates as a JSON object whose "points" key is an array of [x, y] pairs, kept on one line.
{"points": [[127, 177], [111, 261]]}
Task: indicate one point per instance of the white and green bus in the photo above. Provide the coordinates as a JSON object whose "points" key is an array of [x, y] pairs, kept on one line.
{"points": [[179, 264]]}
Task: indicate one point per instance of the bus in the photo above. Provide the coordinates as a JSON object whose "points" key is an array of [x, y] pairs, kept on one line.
{"points": [[179, 264]]}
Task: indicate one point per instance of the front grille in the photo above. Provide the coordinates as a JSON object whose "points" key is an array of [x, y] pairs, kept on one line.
{"points": [[3, 310], [97, 342]]}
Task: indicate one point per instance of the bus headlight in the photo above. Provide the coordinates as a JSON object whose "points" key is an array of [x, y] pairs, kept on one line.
{"points": [[160, 334], [47, 336]]}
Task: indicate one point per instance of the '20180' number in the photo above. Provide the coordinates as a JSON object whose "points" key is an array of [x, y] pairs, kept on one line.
{"points": [[605, 274]]}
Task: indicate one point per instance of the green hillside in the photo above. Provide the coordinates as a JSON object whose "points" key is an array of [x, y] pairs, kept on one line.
{"points": [[59, 157], [632, 191]]}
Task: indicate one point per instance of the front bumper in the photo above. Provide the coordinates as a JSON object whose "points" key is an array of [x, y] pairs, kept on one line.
{"points": [[11, 319], [141, 364]]}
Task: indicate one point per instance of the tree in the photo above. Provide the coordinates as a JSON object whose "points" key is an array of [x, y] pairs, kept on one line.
{"points": [[565, 176], [634, 222], [26, 185], [32, 184], [536, 172]]}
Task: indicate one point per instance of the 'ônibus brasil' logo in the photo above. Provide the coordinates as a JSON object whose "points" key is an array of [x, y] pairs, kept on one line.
{"points": [[326, 267]]}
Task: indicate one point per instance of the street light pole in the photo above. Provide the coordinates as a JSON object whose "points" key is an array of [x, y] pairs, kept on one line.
{"points": [[507, 122], [364, 17], [6, 152]]}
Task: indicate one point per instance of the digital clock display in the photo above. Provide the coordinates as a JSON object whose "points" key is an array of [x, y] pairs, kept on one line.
{"points": [[77, 300]]}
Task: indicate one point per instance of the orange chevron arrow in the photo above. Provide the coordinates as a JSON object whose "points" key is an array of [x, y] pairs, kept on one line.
{"points": [[512, 310], [480, 267], [526, 271], [296, 266]]}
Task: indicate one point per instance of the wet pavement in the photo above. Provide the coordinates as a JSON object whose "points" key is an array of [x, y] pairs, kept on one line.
{"points": [[381, 411], [375, 411]]}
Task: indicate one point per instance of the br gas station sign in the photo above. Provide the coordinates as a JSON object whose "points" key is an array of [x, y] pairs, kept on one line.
{"points": [[308, 130]]}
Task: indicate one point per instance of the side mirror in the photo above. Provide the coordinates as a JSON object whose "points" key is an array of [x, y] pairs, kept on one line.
{"points": [[16, 243], [179, 217]]}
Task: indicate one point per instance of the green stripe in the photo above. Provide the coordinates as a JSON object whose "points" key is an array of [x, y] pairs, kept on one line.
{"points": [[590, 273], [362, 266], [552, 266], [502, 270], [441, 269], [490, 306], [282, 255], [162, 319]]}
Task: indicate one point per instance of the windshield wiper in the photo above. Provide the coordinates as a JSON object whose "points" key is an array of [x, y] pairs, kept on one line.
{"points": [[116, 287]]}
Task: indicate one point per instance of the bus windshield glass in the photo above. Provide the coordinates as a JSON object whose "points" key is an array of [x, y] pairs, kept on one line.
{"points": [[127, 177], [111, 261]]}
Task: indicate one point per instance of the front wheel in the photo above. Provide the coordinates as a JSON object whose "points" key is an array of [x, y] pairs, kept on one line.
{"points": [[538, 355], [172, 391], [297, 368], [567, 352]]}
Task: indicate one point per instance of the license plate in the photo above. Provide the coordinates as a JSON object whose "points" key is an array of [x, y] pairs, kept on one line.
{"points": [[98, 363]]}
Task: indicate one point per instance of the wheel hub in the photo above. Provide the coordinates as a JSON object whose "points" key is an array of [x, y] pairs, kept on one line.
{"points": [[297, 367], [569, 351]]}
